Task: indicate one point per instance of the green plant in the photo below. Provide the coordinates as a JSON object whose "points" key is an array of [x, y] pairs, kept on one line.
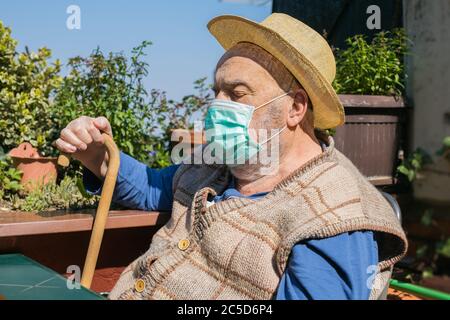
{"points": [[27, 82], [112, 86], [429, 253], [445, 149], [413, 163], [416, 160], [9, 176], [159, 157], [175, 115], [374, 68], [36, 104], [170, 115], [64, 195]]}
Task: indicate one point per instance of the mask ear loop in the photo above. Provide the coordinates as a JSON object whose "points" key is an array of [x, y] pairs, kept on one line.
{"points": [[271, 137], [274, 99], [263, 105]]}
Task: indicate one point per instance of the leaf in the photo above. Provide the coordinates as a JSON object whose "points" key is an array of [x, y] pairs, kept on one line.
{"points": [[403, 169], [421, 251], [13, 186], [130, 147], [82, 189], [446, 142], [427, 218], [372, 68], [427, 273], [411, 175], [416, 163], [444, 248]]}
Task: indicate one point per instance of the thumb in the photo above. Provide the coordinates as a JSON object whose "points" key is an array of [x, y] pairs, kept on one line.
{"points": [[103, 125]]}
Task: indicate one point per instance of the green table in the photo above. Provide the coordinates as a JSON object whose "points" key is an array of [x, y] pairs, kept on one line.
{"points": [[22, 278]]}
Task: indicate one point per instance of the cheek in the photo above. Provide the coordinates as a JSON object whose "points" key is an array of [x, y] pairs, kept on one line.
{"points": [[252, 132], [260, 129], [256, 123]]}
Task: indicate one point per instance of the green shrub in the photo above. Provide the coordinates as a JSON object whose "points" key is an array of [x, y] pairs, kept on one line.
{"points": [[419, 158], [413, 164], [374, 68], [27, 82], [36, 104], [64, 195], [109, 86], [112, 86], [9, 176], [445, 149]]}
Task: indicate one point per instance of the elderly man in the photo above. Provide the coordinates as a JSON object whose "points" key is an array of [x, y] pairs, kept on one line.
{"points": [[312, 228]]}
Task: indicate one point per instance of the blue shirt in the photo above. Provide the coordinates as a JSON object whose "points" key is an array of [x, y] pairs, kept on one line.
{"points": [[330, 268]]}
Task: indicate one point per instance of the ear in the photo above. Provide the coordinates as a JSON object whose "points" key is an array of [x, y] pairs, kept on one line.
{"points": [[298, 109]]}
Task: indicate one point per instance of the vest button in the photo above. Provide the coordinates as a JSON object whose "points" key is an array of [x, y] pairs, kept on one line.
{"points": [[139, 285], [183, 244]]}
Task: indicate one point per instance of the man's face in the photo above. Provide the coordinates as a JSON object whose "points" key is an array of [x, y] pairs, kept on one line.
{"points": [[247, 74]]}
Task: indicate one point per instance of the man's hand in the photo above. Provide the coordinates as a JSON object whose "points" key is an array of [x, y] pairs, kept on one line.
{"points": [[82, 139]]}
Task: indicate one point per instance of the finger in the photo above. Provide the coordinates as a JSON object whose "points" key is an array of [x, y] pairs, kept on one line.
{"points": [[63, 146], [83, 135], [68, 136], [95, 134], [103, 124]]}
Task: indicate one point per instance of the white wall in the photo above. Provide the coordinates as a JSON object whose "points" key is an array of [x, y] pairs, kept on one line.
{"points": [[428, 25]]}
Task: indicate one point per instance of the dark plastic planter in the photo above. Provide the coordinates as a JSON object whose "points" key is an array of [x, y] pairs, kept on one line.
{"points": [[373, 135]]}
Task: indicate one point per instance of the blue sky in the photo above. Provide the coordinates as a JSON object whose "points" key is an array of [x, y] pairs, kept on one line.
{"points": [[182, 50]]}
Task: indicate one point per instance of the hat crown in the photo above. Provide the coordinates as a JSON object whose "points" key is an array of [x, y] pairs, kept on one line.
{"points": [[306, 40]]}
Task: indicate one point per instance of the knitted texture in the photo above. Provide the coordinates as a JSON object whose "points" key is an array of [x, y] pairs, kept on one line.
{"points": [[239, 248]]}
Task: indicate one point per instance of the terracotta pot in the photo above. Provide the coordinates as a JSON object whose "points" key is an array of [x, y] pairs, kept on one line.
{"points": [[36, 170]]}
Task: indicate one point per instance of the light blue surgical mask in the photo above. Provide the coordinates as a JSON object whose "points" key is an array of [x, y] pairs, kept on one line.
{"points": [[227, 130]]}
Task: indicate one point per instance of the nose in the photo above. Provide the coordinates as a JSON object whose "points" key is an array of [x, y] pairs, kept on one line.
{"points": [[222, 96]]}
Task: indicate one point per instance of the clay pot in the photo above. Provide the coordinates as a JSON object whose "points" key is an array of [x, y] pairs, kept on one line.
{"points": [[36, 170]]}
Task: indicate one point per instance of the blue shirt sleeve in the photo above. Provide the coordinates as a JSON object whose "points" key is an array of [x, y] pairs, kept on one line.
{"points": [[334, 268], [137, 186]]}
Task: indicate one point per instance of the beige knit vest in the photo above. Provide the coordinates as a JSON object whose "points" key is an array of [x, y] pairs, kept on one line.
{"points": [[238, 248]]}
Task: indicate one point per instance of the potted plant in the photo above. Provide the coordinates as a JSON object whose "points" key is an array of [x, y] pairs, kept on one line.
{"points": [[26, 121], [370, 82], [36, 169], [9, 177]]}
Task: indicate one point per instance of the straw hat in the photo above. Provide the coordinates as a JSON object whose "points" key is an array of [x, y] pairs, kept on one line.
{"points": [[303, 51]]}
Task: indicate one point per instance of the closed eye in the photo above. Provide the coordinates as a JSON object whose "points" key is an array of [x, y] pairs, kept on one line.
{"points": [[238, 94]]}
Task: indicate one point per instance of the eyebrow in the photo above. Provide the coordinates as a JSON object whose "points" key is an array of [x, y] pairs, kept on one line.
{"points": [[233, 84]]}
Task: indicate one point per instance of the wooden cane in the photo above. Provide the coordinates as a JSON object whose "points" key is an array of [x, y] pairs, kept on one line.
{"points": [[102, 210]]}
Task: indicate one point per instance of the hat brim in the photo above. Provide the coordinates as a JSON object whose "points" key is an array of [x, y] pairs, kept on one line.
{"points": [[230, 30]]}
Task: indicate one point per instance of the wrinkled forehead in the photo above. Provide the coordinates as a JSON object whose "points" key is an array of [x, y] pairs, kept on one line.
{"points": [[257, 56]]}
